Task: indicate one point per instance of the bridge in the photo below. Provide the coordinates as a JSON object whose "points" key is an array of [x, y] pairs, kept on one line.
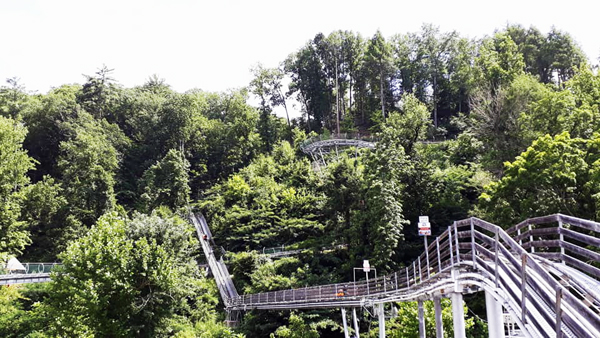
{"points": [[544, 272], [319, 148], [28, 273]]}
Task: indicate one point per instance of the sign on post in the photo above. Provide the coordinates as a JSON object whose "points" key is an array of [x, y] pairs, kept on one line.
{"points": [[424, 226]]}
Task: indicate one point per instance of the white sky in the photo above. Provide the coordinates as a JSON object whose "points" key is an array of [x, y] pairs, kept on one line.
{"points": [[212, 44]]}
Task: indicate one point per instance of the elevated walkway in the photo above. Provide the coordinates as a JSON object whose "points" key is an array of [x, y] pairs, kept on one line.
{"points": [[550, 292]]}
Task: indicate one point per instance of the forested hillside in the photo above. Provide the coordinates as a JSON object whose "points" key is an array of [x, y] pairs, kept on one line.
{"points": [[100, 177]]}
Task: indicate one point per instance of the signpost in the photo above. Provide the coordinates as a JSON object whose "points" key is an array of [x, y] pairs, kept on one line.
{"points": [[424, 226], [425, 230]]}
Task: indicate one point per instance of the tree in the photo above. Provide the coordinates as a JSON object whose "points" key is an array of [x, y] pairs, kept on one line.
{"points": [[14, 165], [437, 52], [267, 86], [166, 183], [498, 116], [126, 277], [555, 174], [45, 210], [88, 162], [379, 64], [13, 99], [412, 124], [309, 85], [499, 61], [99, 94]]}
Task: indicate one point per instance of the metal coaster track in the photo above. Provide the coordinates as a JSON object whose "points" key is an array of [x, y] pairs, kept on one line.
{"points": [[552, 290]]}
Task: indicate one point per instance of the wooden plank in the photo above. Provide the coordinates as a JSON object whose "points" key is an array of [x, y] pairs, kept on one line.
{"points": [[592, 270], [544, 219], [583, 238], [582, 223], [581, 251], [518, 226]]}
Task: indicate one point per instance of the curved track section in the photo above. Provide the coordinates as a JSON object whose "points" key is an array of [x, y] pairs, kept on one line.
{"points": [[554, 289]]}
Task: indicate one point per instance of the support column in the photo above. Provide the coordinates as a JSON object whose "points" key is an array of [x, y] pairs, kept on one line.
{"points": [[355, 322], [494, 316], [346, 335], [458, 315], [439, 325], [381, 314], [421, 319]]}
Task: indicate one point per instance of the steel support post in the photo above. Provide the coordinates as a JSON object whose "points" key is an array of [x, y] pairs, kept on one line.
{"points": [[381, 314], [421, 319], [346, 335], [427, 255], [494, 316], [439, 325], [355, 322], [561, 238], [458, 315]]}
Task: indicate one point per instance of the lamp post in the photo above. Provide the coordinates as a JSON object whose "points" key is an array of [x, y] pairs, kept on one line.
{"points": [[366, 268]]}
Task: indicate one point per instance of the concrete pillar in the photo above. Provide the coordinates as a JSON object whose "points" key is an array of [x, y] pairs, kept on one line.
{"points": [[381, 314], [458, 315], [494, 316], [421, 319], [355, 322], [346, 335], [439, 325]]}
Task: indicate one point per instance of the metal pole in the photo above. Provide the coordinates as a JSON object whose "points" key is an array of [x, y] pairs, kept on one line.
{"points": [[439, 325], [346, 335], [523, 289], [558, 311], [381, 321], [458, 315], [531, 239], [355, 322], [496, 257], [473, 244], [415, 272], [561, 237], [407, 278], [368, 290], [427, 255], [494, 316], [437, 245], [420, 272], [451, 248], [456, 240], [421, 319]]}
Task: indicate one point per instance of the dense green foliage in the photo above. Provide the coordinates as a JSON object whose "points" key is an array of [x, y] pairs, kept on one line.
{"points": [[98, 176]]}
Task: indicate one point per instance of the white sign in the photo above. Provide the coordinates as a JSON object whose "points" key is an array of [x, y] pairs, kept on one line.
{"points": [[424, 226], [366, 266]]}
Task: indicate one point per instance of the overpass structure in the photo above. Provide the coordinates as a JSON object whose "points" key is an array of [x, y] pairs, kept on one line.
{"points": [[321, 147], [544, 271], [29, 273]]}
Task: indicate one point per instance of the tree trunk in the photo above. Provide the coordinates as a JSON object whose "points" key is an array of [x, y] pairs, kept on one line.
{"points": [[381, 90], [435, 121], [337, 99]]}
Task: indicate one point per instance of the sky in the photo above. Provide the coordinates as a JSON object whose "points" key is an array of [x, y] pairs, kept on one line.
{"points": [[212, 45]]}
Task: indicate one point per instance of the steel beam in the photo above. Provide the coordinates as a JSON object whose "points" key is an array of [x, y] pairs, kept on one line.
{"points": [[381, 314], [458, 315], [421, 319], [439, 325], [494, 316], [355, 322], [346, 335]]}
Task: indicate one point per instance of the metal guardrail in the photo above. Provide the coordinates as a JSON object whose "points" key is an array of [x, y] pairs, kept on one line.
{"points": [[31, 268], [476, 254], [340, 136]]}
